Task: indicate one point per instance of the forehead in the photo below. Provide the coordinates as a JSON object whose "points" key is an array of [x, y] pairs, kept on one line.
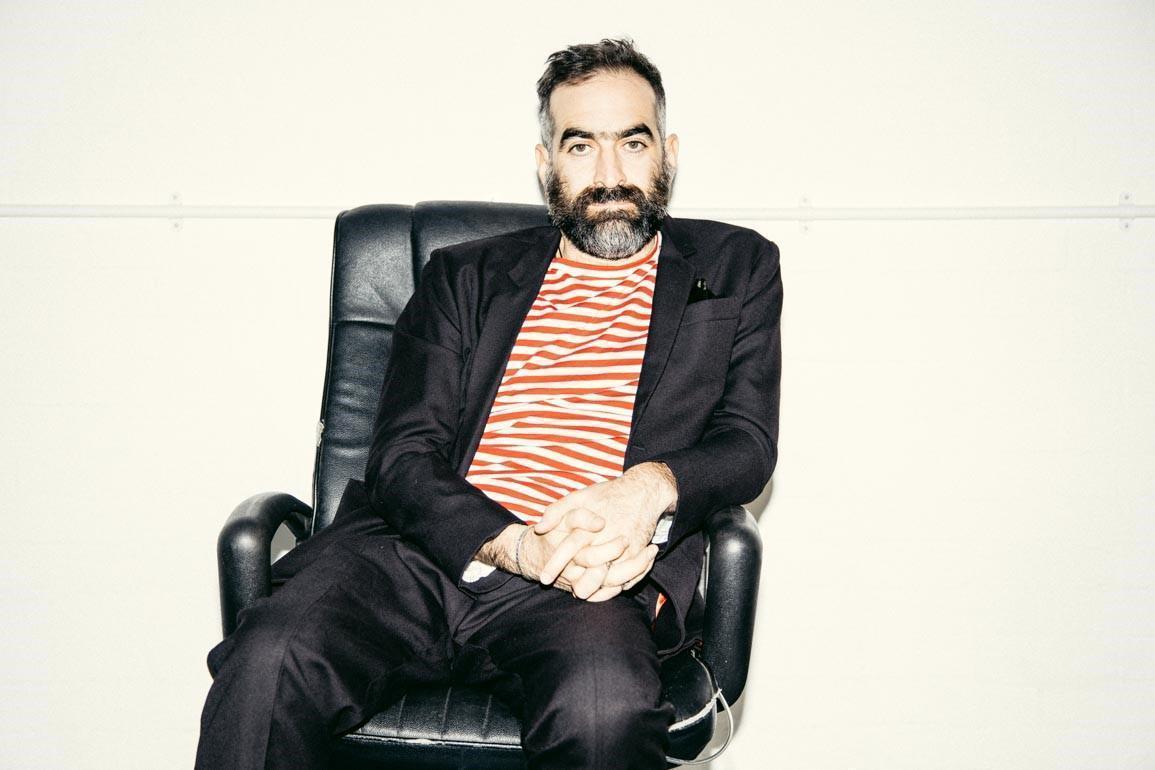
{"points": [[609, 101]]}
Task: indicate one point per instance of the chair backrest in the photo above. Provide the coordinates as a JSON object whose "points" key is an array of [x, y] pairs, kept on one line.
{"points": [[378, 253]]}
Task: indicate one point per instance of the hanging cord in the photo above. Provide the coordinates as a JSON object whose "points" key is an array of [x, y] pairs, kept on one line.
{"points": [[718, 696]]}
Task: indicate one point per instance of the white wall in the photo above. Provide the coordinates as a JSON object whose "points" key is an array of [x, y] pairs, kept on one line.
{"points": [[959, 567]]}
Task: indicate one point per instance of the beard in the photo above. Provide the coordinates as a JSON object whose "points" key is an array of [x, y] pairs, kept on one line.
{"points": [[613, 233]]}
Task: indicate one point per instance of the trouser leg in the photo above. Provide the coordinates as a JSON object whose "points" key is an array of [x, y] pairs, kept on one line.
{"points": [[362, 613], [584, 677]]}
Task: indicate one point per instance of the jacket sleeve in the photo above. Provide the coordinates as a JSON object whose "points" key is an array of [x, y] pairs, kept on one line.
{"points": [[410, 480], [736, 454]]}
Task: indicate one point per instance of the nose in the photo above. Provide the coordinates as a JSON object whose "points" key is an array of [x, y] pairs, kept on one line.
{"points": [[609, 170]]}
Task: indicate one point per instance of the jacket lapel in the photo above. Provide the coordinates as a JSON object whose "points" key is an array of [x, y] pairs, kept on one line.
{"points": [[671, 290]]}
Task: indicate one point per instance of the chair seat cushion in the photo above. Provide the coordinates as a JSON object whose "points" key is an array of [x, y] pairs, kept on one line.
{"points": [[469, 727]]}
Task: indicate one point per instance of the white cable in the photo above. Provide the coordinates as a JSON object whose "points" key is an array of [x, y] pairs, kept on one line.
{"points": [[718, 696]]}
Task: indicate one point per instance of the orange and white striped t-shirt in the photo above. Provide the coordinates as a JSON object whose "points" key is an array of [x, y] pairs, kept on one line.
{"points": [[561, 417]]}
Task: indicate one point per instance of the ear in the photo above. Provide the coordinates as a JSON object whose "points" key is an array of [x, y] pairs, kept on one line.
{"points": [[542, 156], [672, 150]]}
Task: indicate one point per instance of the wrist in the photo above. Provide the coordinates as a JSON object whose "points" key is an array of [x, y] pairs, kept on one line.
{"points": [[502, 551], [661, 486]]}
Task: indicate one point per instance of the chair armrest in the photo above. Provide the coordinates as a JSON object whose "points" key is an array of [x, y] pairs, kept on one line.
{"points": [[244, 545], [733, 567]]}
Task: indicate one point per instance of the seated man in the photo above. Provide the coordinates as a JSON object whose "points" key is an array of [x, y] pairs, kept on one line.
{"points": [[563, 408]]}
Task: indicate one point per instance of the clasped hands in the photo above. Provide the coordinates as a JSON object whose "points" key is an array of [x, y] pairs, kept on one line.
{"points": [[595, 542]]}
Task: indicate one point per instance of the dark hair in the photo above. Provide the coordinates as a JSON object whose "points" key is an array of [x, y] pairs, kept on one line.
{"points": [[579, 63]]}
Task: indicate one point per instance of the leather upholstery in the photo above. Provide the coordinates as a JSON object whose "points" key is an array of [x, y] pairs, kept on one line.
{"points": [[378, 254]]}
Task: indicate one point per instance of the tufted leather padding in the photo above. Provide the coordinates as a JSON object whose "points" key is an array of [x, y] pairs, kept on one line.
{"points": [[378, 253], [377, 256]]}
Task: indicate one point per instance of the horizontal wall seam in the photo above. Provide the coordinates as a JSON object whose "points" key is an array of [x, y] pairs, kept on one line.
{"points": [[1121, 212]]}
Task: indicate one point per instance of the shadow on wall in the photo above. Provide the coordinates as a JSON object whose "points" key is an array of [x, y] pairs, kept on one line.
{"points": [[759, 504]]}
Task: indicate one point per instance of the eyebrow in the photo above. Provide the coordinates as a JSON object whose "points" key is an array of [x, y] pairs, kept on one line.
{"points": [[640, 129]]}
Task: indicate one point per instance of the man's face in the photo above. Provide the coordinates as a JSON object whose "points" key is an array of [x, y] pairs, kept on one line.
{"points": [[607, 174]]}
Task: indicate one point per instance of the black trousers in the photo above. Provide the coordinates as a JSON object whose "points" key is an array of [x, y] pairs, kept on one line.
{"points": [[361, 613]]}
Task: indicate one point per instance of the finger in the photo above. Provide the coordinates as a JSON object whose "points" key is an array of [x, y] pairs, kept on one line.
{"points": [[569, 576], [550, 517], [568, 517], [590, 582], [604, 593], [596, 554], [638, 579], [584, 518], [632, 569], [562, 555], [627, 567]]}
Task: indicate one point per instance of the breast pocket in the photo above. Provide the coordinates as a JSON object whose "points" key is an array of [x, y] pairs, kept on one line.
{"points": [[706, 335], [711, 310]]}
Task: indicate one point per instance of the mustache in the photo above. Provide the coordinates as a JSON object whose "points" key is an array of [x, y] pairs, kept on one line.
{"points": [[621, 193]]}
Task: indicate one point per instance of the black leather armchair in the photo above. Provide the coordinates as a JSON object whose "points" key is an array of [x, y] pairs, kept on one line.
{"points": [[378, 253]]}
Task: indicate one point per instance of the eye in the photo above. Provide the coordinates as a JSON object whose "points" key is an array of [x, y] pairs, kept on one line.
{"points": [[578, 149]]}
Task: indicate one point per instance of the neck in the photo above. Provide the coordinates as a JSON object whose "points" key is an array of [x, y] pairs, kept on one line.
{"points": [[571, 252]]}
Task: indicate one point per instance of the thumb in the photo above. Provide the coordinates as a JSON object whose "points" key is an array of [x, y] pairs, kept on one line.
{"points": [[550, 518]]}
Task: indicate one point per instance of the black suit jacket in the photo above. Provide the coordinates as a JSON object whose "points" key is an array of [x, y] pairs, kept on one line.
{"points": [[707, 401]]}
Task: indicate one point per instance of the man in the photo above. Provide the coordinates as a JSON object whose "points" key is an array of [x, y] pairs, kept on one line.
{"points": [[563, 408]]}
